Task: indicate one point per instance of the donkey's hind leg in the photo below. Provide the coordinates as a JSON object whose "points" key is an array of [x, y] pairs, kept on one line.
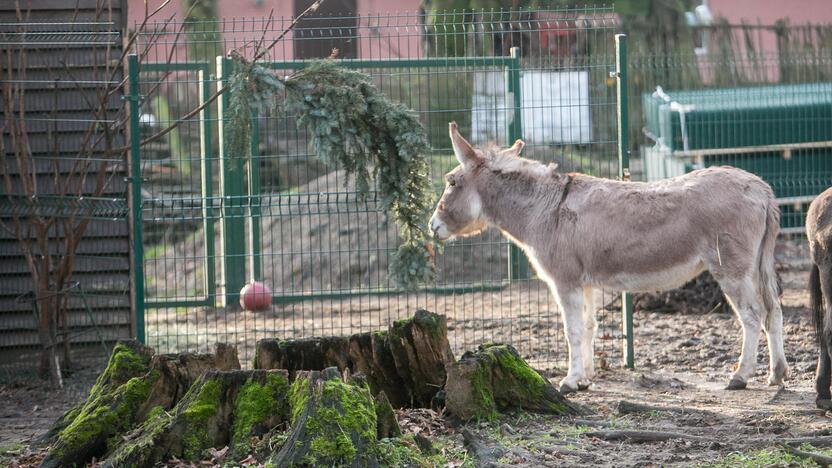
{"points": [[590, 327], [823, 378], [744, 299], [773, 326]]}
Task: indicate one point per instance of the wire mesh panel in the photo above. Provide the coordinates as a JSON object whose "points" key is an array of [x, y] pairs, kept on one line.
{"points": [[294, 223]]}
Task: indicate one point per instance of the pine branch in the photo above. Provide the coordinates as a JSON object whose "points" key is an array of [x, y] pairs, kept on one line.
{"points": [[353, 126]]}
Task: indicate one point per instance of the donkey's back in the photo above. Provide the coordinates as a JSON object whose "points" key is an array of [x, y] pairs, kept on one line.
{"points": [[647, 236]]}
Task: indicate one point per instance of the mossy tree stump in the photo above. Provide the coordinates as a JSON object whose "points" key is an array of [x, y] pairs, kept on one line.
{"points": [[134, 382], [334, 422], [222, 408], [496, 378], [406, 362]]}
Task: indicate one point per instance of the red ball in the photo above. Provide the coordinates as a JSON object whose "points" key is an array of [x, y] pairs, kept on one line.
{"points": [[255, 296]]}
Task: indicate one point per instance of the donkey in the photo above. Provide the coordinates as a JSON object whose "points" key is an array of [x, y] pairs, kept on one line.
{"points": [[819, 234], [581, 232]]}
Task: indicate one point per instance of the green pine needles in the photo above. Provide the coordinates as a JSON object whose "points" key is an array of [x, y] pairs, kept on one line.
{"points": [[352, 125]]}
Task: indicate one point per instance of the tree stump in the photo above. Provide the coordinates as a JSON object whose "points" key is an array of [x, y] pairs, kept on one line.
{"points": [[496, 378], [303, 354], [133, 382], [370, 355], [407, 362], [223, 408], [421, 351], [334, 422]]}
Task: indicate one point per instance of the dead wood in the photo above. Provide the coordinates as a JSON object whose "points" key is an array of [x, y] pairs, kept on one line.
{"points": [[820, 459], [645, 436], [222, 408], [134, 382], [333, 424], [494, 378], [487, 455], [407, 361], [628, 407]]}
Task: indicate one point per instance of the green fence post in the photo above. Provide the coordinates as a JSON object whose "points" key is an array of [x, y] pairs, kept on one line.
{"points": [[624, 174], [207, 158], [254, 200], [135, 178], [232, 192], [518, 265]]}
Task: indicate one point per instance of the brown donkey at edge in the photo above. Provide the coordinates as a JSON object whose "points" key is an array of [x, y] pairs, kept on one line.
{"points": [[582, 232], [819, 234]]}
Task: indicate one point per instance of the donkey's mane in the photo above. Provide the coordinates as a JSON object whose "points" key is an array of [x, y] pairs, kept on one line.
{"points": [[502, 163]]}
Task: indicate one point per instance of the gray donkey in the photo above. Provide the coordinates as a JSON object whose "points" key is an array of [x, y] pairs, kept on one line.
{"points": [[819, 234], [582, 232]]}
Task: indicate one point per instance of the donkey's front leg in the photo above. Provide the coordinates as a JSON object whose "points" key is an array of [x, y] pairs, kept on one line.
{"points": [[571, 304]]}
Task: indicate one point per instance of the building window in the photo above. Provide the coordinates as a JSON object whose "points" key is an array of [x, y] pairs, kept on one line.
{"points": [[333, 26]]}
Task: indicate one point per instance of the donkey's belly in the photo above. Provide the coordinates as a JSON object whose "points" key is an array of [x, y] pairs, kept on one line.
{"points": [[669, 277]]}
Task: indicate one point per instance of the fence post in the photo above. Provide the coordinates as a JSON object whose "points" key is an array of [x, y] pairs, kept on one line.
{"points": [[254, 200], [206, 163], [232, 193], [624, 174], [135, 200], [517, 263]]}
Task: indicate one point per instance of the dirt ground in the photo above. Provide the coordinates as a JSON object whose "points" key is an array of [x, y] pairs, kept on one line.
{"points": [[683, 361]]}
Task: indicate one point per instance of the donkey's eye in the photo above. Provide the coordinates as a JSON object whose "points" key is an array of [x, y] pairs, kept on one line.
{"points": [[451, 182]]}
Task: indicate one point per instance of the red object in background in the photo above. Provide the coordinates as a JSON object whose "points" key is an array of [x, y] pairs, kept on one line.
{"points": [[255, 296]]}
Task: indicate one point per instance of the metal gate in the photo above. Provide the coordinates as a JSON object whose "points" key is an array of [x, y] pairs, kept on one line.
{"points": [[206, 222]]}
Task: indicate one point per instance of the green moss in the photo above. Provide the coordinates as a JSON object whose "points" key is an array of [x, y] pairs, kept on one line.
{"points": [[528, 377], [298, 394], [105, 415], [340, 448], [138, 450], [257, 403], [483, 394], [329, 428], [196, 417], [124, 364], [401, 451], [429, 320]]}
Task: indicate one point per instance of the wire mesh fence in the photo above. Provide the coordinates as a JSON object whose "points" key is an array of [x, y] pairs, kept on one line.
{"points": [[297, 225]]}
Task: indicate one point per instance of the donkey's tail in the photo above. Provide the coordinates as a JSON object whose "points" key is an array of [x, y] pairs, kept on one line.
{"points": [[816, 300], [769, 288]]}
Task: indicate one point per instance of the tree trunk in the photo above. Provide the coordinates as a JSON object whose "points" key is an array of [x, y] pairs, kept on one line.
{"points": [[407, 362], [222, 408], [134, 382], [334, 422], [495, 378]]}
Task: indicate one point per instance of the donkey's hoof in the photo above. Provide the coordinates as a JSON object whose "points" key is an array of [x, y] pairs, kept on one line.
{"points": [[566, 389], [584, 385], [736, 384], [823, 404], [775, 381]]}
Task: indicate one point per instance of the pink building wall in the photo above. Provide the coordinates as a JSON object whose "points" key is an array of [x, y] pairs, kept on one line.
{"points": [[395, 34], [768, 12]]}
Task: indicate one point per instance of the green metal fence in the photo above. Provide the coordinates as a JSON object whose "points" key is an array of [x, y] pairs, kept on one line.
{"points": [[769, 113], [210, 222]]}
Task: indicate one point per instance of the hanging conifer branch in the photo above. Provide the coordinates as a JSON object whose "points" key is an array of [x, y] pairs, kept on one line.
{"points": [[351, 125]]}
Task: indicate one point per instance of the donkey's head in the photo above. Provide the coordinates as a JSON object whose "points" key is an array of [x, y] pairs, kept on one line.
{"points": [[459, 211]]}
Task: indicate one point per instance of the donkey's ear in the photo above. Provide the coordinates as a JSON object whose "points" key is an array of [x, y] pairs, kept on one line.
{"points": [[463, 150], [515, 149]]}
